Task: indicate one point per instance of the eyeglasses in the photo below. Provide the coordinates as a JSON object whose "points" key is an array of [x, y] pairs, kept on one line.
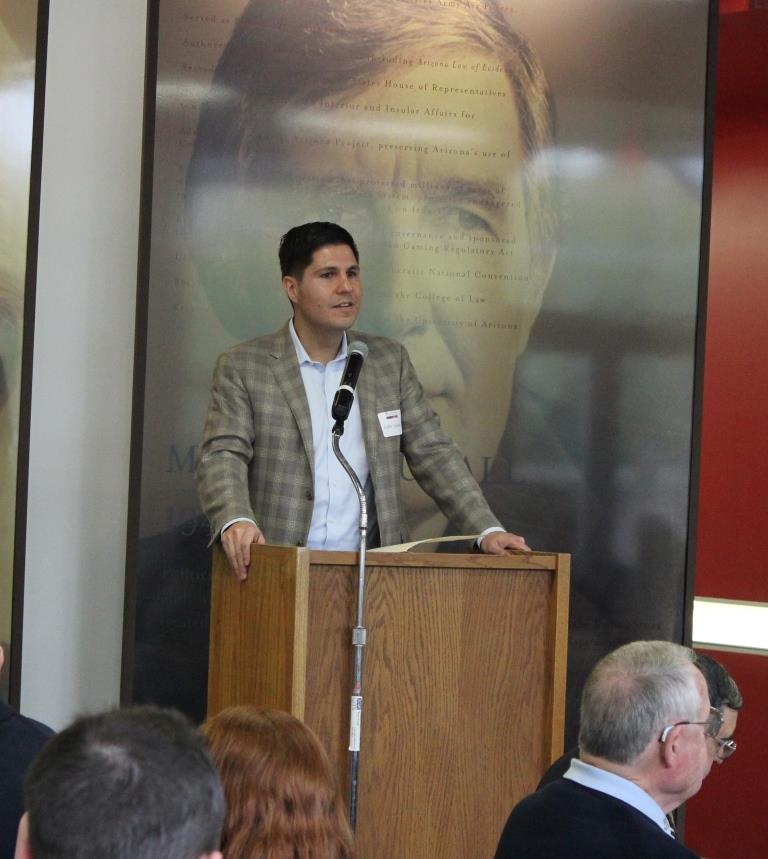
{"points": [[713, 724], [725, 748]]}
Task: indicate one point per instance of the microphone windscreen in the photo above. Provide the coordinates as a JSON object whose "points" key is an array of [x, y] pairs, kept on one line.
{"points": [[358, 346]]}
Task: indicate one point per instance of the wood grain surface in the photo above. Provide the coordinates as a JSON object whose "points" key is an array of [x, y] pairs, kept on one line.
{"points": [[463, 680]]}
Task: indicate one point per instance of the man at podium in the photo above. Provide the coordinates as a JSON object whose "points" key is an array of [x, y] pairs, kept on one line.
{"points": [[266, 471]]}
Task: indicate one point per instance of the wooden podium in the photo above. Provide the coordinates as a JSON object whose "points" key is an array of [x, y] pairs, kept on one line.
{"points": [[463, 680]]}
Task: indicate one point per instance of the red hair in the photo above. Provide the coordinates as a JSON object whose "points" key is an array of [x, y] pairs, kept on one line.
{"points": [[282, 798]]}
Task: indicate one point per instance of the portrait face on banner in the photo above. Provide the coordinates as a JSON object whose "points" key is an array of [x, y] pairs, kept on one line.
{"points": [[526, 196], [426, 137]]}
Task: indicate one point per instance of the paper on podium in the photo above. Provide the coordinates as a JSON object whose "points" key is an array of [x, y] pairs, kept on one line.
{"points": [[457, 543]]}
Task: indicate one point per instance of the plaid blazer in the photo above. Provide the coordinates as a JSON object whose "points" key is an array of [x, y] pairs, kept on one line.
{"points": [[256, 458]]}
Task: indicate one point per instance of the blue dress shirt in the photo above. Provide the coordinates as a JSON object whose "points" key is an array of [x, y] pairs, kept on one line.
{"points": [[336, 513]]}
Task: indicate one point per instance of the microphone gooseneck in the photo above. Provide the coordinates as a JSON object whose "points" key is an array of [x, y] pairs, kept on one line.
{"points": [[342, 405]]}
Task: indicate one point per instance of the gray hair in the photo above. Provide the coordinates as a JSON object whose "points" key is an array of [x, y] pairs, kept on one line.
{"points": [[632, 693]]}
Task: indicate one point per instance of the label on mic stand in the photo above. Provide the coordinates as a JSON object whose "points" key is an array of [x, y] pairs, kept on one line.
{"points": [[355, 715]]}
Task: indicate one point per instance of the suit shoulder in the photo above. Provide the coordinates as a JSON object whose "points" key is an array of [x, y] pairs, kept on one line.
{"points": [[570, 820], [569, 805], [255, 350], [379, 346]]}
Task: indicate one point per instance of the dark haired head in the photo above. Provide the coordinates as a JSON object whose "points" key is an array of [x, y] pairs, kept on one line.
{"points": [[135, 783], [299, 244], [722, 688]]}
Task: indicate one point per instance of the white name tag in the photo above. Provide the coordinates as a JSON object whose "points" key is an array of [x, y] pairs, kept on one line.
{"points": [[391, 423]]}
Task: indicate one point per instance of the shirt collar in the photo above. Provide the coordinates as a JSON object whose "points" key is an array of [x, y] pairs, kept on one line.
{"points": [[301, 352], [619, 788]]}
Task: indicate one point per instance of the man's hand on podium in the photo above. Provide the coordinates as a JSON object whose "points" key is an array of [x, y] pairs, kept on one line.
{"points": [[503, 543], [236, 542]]}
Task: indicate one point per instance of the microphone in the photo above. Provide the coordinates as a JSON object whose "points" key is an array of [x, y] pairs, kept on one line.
{"points": [[357, 352]]}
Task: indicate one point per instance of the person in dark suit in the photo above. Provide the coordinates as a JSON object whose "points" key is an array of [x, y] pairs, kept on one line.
{"points": [[21, 738], [265, 472], [645, 747]]}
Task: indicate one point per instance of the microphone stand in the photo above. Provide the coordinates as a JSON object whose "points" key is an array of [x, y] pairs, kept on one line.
{"points": [[359, 632]]}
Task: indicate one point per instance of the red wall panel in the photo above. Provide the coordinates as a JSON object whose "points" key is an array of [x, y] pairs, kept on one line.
{"points": [[733, 502], [727, 818]]}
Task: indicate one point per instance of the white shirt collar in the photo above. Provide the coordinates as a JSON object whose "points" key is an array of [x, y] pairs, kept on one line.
{"points": [[301, 352], [619, 788]]}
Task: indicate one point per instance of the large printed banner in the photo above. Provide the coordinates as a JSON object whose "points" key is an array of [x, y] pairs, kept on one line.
{"points": [[524, 183], [18, 45]]}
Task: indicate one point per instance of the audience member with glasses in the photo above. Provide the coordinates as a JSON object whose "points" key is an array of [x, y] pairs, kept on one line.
{"points": [[649, 736], [724, 695]]}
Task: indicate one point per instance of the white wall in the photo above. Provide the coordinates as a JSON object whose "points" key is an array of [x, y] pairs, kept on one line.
{"points": [[83, 358]]}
